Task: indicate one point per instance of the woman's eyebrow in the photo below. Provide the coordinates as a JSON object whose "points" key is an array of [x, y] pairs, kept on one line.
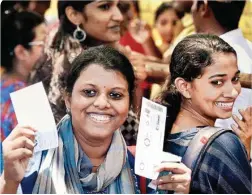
{"points": [[222, 75], [217, 75]]}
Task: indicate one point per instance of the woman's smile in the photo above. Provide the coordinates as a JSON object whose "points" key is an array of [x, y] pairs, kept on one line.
{"points": [[100, 118]]}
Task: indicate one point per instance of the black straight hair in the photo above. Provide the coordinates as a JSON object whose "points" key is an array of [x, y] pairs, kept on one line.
{"points": [[105, 56], [17, 29], [164, 7], [66, 27], [188, 60], [227, 13]]}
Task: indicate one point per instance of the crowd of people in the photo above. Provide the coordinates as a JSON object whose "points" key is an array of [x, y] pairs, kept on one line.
{"points": [[96, 63]]}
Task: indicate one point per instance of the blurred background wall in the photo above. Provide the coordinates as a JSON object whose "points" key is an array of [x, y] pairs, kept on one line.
{"points": [[148, 8]]}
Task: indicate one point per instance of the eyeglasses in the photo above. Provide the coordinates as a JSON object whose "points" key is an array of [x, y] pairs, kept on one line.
{"points": [[36, 43], [33, 43]]}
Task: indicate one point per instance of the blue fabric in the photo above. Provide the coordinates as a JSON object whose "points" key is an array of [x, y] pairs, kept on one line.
{"points": [[225, 167], [29, 181], [65, 132], [119, 180], [8, 117]]}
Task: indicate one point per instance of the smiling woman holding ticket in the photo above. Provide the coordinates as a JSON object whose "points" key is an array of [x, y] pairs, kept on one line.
{"points": [[202, 87], [92, 156]]}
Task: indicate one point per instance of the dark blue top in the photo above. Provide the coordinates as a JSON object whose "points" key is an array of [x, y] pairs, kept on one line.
{"points": [[225, 167]]}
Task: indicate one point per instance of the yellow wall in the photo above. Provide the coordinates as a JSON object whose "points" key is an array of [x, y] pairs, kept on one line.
{"points": [[52, 11], [148, 8], [246, 21]]}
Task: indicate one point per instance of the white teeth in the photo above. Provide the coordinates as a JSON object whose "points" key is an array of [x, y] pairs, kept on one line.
{"points": [[116, 28], [100, 118], [224, 105]]}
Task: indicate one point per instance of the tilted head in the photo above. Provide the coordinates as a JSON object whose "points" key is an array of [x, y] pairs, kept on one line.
{"points": [[166, 21], [100, 20], [99, 90], [203, 73]]}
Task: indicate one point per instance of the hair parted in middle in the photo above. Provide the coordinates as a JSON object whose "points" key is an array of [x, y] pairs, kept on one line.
{"points": [[105, 56]]}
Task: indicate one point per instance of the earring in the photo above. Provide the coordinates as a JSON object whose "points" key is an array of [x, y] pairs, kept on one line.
{"points": [[79, 34]]}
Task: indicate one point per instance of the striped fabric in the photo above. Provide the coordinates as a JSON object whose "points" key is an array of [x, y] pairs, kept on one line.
{"points": [[61, 172], [225, 167]]}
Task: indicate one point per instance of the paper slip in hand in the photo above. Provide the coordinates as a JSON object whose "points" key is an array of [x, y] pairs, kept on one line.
{"points": [[32, 108], [150, 139], [169, 157], [165, 157]]}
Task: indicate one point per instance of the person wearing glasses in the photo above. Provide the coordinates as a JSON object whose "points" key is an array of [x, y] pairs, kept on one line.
{"points": [[22, 42]]}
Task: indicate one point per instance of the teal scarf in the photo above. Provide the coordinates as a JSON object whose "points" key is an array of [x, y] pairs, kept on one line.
{"points": [[60, 168]]}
